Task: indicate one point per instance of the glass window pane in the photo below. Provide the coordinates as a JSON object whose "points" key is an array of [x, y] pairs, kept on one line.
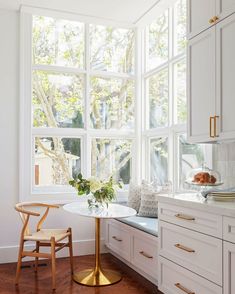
{"points": [[112, 103], [157, 93], [112, 49], [157, 42], [159, 160], [57, 100], [180, 91], [180, 26], [111, 157], [190, 156], [58, 42], [56, 160]]}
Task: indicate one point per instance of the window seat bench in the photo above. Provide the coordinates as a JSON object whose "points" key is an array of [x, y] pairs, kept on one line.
{"points": [[145, 224], [134, 240]]}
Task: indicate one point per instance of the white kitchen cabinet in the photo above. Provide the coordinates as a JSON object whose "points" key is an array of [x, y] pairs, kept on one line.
{"points": [[204, 14], [225, 81], [201, 86], [176, 279], [191, 259], [118, 239], [136, 248], [211, 85], [200, 12], [229, 268]]}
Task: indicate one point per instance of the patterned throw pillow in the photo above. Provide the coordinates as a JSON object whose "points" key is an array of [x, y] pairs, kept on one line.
{"points": [[149, 202], [134, 196]]}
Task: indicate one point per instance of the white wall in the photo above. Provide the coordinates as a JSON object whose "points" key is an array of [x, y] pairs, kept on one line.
{"points": [[10, 224]]}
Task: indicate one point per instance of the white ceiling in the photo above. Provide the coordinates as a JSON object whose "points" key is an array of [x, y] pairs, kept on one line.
{"points": [[126, 11]]}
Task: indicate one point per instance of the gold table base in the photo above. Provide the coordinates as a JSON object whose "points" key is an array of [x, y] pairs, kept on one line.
{"points": [[97, 276], [90, 277]]}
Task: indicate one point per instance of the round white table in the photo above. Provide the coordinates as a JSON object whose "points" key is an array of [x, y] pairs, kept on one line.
{"points": [[98, 276]]}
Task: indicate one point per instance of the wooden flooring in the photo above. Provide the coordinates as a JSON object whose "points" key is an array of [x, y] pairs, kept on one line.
{"points": [[40, 283]]}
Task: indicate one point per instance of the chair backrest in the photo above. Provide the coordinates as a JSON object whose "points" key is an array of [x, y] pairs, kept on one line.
{"points": [[25, 213]]}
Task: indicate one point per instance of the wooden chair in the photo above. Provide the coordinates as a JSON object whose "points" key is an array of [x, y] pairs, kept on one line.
{"points": [[43, 237]]}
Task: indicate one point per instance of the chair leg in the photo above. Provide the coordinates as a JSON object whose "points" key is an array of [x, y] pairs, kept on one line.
{"points": [[18, 270], [71, 249], [53, 268], [36, 258]]}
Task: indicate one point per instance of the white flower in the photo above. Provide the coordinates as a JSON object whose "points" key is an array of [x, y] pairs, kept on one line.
{"points": [[95, 185]]}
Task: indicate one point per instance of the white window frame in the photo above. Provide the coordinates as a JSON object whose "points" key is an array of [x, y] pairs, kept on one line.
{"points": [[140, 135], [173, 129], [27, 193]]}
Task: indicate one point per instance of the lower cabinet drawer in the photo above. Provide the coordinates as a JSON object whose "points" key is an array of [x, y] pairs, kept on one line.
{"points": [[193, 219], [197, 252], [119, 240], [145, 254], [174, 279]]}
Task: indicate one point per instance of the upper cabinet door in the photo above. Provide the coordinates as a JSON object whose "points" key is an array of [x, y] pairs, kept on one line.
{"points": [[225, 78], [200, 15], [201, 86], [224, 8]]}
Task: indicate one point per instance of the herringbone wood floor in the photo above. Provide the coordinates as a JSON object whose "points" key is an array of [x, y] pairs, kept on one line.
{"points": [[40, 283]]}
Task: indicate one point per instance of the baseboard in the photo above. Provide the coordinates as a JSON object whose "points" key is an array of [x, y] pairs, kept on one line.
{"points": [[139, 271], [80, 247]]}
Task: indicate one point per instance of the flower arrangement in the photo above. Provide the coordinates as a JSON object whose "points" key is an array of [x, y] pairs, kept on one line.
{"points": [[102, 192]]}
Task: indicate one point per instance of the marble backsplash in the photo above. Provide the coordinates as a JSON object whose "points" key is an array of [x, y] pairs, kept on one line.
{"points": [[224, 162]]}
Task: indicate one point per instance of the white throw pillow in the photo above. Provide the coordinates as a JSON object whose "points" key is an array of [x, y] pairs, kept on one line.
{"points": [[149, 201], [134, 196]]}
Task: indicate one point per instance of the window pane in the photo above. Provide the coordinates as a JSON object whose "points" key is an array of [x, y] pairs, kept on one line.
{"points": [[180, 91], [112, 49], [180, 26], [56, 160], [190, 156], [157, 93], [157, 41], [111, 157], [58, 42], [159, 160], [57, 100], [112, 103]]}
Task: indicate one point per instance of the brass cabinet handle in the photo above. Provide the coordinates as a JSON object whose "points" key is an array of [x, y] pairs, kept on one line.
{"points": [[185, 217], [215, 126], [145, 254], [182, 247], [213, 19], [179, 286], [211, 119], [117, 239]]}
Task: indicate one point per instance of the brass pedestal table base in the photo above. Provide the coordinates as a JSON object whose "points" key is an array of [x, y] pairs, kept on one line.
{"points": [[101, 278], [97, 276]]}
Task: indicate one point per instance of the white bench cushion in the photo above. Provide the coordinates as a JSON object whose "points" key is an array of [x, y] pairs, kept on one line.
{"points": [[145, 224]]}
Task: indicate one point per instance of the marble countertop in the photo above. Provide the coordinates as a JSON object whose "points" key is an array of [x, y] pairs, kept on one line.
{"points": [[194, 200]]}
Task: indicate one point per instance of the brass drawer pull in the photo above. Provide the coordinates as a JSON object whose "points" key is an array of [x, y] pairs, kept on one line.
{"points": [[215, 18], [212, 118], [211, 21], [145, 254], [117, 239], [182, 247], [215, 126], [185, 217], [179, 286]]}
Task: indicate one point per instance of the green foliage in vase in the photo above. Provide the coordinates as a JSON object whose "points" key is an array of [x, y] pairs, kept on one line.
{"points": [[102, 191]]}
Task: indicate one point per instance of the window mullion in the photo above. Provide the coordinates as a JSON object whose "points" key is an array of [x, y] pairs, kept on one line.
{"points": [[87, 139]]}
